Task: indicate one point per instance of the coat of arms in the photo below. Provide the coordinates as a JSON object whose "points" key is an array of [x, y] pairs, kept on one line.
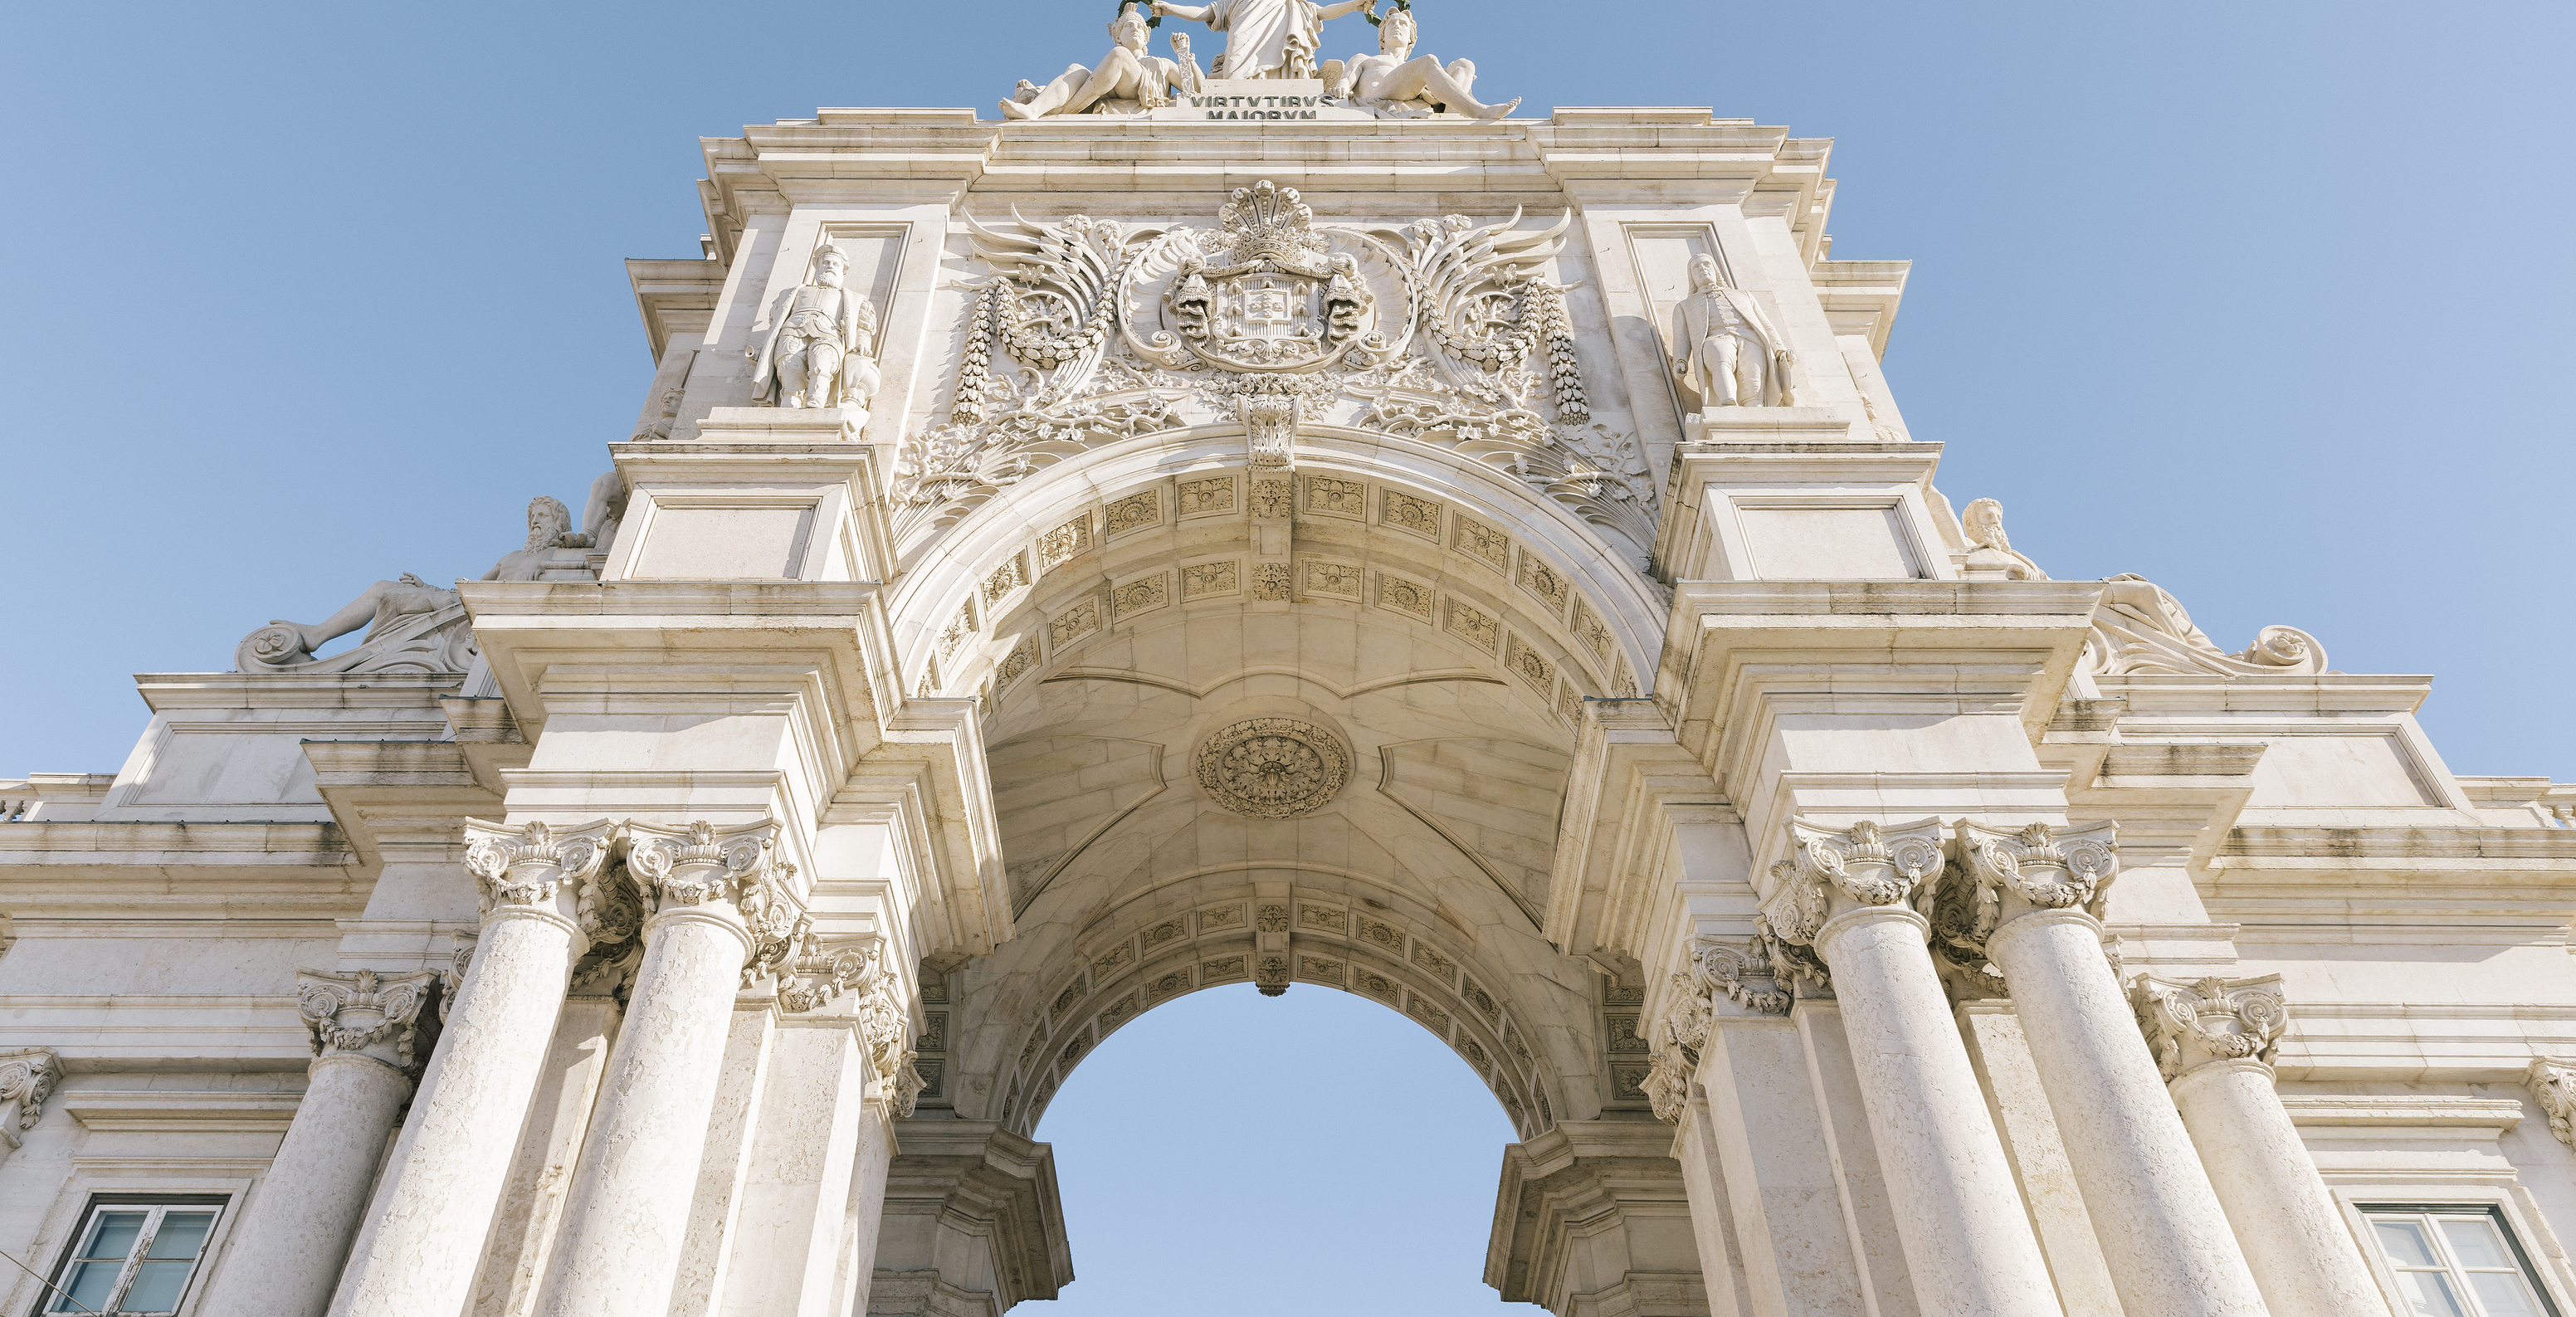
{"points": [[1276, 297]]}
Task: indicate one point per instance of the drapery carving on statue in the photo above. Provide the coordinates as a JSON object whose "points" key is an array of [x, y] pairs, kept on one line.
{"points": [[1265, 38], [1395, 83], [27, 1078], [529, 866], [1090, 332], [1127, 80], [2210, 1020], [1836, 869], [2140, 629], [2552, 1084], [1725, 351], [1990, 553], [820, 348], [368, 1015], [413, 626]]}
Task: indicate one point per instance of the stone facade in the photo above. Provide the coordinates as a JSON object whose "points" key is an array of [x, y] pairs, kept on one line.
{"points": [[1305, 530]]}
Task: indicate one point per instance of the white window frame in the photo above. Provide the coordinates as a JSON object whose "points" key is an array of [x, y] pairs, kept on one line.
{"points": [[156, 1207], [2489, 1211]]}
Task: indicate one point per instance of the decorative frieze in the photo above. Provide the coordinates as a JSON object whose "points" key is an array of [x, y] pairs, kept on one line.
{"points": [[2210, 1020]]}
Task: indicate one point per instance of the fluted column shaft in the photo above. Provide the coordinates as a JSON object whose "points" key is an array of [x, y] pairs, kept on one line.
{"points": [[424, 1232], [1968, 1243], [626, 1217], [2163, 1234], [297, 1227]]}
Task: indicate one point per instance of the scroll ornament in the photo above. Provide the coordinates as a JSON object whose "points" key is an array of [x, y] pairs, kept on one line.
{"points": [[27, 1078], [366, 1014], [2210, 1020], [2139, 629], [2552, 1083], [824, 970], [529, 865], [1860, 866], [1739, 970]]}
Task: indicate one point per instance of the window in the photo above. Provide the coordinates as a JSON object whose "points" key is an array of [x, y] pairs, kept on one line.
{"points": [[133, 1257], [2456, 1261]]}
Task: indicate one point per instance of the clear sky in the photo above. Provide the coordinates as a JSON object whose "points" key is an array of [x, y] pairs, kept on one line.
{"points": [[2264, 301]]}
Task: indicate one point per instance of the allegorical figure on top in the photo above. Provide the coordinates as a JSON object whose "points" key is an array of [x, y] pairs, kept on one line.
{"points": [[1396, 83], [1126, 79], [822, 345], [1265, 38], [1725, 350]]}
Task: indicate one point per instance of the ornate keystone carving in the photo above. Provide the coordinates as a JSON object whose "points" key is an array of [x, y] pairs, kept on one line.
{"points": [[2192, 1025], [365, 1014], [1273, 768], [2553, 1086], [1842, 869], [27, 1078], [529, 865]]}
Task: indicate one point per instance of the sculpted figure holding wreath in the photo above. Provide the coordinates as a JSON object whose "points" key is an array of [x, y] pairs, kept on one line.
{"points": [[1265, 38]]}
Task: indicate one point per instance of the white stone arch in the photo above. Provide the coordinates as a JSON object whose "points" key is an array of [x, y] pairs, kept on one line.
{"points": [[964, 623]]}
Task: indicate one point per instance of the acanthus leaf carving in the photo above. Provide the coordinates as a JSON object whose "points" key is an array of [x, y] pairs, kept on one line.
{"points": [[2552, 1084], [2038, 867], [1835, 869], [363, 1013], [698, 863], [527, 866], [2210, 1020], [27, 1078]]}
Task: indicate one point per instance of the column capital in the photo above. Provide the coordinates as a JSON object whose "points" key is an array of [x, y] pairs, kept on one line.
{"points": [[1834, 871], [1736, 968], [2038, 866], [532, 864], [2552, 1083], [2210, 1021], [731, 875], [27, 1078], [366, 1015]]}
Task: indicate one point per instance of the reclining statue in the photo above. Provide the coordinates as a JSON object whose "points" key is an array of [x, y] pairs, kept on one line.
{"points": [[1127, 79], [415, 626], [1395, 83]]}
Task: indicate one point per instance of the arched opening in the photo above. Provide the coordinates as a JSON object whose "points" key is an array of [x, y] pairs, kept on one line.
{"points": [[1310, 1153]]}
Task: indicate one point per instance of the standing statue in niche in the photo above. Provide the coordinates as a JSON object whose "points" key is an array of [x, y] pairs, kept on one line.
{"points": [[1265, 38], [1127, 79], [1728, 353], [822, 347], [1395, 83]]}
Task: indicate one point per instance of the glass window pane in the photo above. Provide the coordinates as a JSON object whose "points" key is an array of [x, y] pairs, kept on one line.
{"points": [[2476, 1243], [182, 1234], [2405, 1243], [2429, 1294], [89, 1287], [2503, 1293], [113, 1237], [156, 1287]]}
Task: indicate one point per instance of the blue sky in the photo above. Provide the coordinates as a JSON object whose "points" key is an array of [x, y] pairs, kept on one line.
{"points": [[2266, 302]]}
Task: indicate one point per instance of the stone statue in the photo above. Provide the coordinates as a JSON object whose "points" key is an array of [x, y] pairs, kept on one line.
{"points": [[1729, 355], [413, 625], [1990, 554], [822, 346], [1265, 38], [1127, 79], [1395, 83]]}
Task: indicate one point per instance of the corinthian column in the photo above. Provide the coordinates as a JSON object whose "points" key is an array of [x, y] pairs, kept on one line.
{"points": [[418, 1250], [2214, 1042], [2162, 1233], [365, 1032], [716, 904], [1968, 1243]]}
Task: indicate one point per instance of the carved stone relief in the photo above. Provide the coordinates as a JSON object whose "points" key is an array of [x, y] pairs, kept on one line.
{"points": [[1273, 768]]}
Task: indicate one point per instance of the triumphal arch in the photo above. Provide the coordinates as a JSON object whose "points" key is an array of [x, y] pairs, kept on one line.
{"points": [[1287, 521]]}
